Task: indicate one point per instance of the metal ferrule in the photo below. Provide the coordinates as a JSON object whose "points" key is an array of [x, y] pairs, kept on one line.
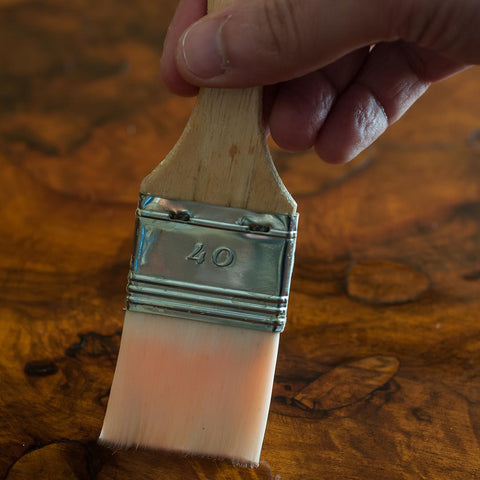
{"points": [[210, 263]]}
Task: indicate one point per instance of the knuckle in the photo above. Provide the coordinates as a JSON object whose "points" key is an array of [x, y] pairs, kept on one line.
{"points": [[281, 24], [436, 25]]}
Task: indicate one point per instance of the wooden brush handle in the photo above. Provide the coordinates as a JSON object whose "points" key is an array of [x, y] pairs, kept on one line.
{"points": [[222, 157]]}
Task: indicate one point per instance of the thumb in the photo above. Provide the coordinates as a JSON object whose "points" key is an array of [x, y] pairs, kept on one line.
{"points": [[261, 42], [266, 41]]}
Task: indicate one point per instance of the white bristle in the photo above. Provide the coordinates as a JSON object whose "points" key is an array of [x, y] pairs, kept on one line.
{"points": [[191, 386]]}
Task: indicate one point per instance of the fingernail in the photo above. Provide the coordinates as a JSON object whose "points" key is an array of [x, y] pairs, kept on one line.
{"points": [[202, 48]]}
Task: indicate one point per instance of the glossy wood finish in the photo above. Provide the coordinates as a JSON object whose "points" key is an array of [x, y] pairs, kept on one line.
{"points": [[379, 368]]}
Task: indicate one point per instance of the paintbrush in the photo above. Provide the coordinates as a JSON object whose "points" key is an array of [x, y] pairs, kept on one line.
{"points": [[207, 291]]}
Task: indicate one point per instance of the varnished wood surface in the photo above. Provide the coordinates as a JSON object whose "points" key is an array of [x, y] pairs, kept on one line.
{"points": [[379, 368]]}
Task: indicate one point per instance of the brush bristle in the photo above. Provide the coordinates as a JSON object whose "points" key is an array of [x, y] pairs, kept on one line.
{"points": [[191, 386]]}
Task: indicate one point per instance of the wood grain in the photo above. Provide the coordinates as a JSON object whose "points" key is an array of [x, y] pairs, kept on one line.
{"points": [[382, 381], [222, 157]]}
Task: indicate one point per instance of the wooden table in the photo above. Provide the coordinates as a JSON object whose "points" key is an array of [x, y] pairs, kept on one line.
{"points": [[379, 368]]}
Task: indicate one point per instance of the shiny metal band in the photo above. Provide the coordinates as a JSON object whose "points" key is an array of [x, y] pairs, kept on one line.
{"points": [[210, 263]]}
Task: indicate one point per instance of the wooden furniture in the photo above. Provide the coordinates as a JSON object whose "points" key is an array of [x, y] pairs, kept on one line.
{"points": [[379, 368]]}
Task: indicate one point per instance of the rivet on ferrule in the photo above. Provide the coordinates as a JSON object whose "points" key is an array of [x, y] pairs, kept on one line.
{"points": [[211, 263]]}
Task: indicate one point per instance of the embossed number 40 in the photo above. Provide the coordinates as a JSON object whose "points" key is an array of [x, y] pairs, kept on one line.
{"points": [[221, 256]]}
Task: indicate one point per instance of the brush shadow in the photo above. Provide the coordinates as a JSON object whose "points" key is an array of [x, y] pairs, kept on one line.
{"points": [[144, 464]]}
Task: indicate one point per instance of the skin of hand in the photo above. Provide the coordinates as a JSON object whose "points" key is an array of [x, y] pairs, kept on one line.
{"points": [[336, 73]]}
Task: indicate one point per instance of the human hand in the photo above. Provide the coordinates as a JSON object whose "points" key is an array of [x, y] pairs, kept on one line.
{"points": [[337, 72]]}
